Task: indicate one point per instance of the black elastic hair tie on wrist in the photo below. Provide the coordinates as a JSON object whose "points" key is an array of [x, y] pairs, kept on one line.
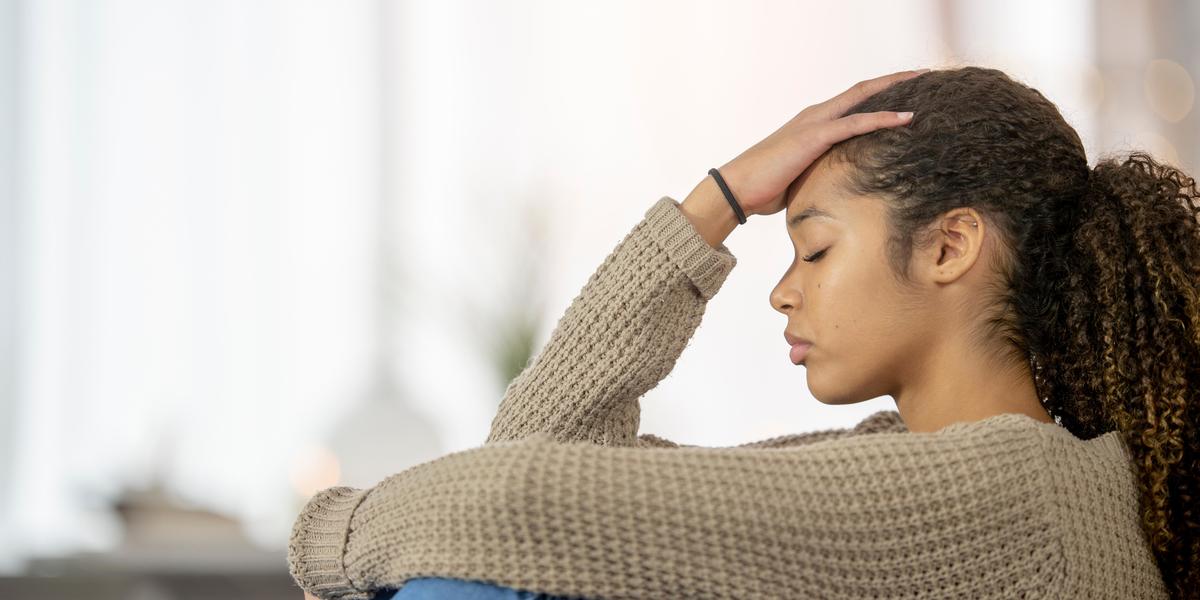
{"points": [[737, 210]]}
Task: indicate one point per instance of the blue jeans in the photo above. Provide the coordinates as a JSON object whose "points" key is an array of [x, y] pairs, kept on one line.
{"points": [[441, 588]]}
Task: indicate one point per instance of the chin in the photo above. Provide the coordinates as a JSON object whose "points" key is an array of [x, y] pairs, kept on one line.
{"points": [[837, 401], [834, 397]]}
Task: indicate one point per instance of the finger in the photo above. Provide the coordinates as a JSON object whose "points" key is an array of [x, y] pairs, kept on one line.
{"points": [[839, 104], [860, 123]]}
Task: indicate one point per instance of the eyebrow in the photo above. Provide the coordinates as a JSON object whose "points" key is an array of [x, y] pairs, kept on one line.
{"points": [[811, 211]]}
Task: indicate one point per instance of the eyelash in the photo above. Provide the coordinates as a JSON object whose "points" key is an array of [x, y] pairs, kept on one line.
{"points": [[815, 256]]}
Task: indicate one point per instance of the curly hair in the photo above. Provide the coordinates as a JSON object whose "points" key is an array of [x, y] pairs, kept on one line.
{"points": [[1097, 287]]}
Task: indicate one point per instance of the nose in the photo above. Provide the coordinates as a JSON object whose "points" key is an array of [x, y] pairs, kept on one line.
{"points": [[784, 297]]}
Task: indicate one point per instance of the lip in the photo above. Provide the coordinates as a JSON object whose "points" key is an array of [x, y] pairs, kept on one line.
{"points": [[799, 346], [799, 352], [792, 340]]}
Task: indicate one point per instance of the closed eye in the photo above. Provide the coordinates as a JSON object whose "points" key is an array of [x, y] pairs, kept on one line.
{"points": [[815, 256]]}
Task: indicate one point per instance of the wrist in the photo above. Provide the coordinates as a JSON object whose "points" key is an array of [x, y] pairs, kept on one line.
{"points": [[318, 540], [709, 211]]}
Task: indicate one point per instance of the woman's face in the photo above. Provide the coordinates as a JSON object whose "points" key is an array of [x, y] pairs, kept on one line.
{"points": [[866, 331]]}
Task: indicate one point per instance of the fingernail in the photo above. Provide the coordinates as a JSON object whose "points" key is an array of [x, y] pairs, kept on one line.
{"points": [[922, 70], [904, 116]]}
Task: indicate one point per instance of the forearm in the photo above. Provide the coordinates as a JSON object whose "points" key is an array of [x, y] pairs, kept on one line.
{"points": [[561, 519], [709, 211], [620, 336]]}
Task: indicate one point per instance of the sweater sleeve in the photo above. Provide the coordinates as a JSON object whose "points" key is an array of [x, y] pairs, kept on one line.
{"points": [[619, 337], [957, 513]]}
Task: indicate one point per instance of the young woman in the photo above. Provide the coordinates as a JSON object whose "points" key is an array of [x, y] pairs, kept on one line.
{"points": [[1034, 318]]}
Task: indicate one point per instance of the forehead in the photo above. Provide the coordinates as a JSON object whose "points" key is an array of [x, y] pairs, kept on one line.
{"points": [[812, 195]]}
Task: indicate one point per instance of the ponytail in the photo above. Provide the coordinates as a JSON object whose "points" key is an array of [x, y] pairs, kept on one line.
{"points": [[1123, 352]]}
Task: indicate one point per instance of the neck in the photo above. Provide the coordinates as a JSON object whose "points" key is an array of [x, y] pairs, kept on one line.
{"points": [[955, 383]]}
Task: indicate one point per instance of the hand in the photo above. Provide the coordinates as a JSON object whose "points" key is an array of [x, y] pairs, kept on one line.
{"points": [[308, 596], [760, 176]]}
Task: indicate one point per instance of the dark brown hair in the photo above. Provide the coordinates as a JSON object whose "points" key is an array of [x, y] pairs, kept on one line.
{"points": [[1098, 281]]}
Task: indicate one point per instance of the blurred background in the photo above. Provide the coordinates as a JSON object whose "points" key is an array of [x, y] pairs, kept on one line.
{"points": [[252, 249]]}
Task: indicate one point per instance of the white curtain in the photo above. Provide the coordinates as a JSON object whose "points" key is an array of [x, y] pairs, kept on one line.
{"points": [[9, 123], [194, 187]]}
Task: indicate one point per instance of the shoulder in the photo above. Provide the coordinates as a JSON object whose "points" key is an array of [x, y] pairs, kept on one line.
{"points": [[887, 425], [884, 421], [889, 421], [1008, 437]]}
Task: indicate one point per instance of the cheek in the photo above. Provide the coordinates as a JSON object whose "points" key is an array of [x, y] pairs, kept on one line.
{"points": [[854, 315], [842, 301], [859, 334]]}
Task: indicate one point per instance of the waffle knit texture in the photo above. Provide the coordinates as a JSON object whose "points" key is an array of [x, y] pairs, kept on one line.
{"points": [[566, 498]]}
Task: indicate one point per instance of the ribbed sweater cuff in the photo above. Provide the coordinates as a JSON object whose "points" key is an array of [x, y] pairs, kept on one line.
{"points": [[706, 266], [318, 544]]}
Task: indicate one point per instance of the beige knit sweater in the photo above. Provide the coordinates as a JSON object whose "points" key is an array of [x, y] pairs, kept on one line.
{"points": [[566, 498]]}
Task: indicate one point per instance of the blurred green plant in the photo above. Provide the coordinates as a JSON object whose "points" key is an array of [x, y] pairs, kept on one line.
{"points": [[505, 320]]}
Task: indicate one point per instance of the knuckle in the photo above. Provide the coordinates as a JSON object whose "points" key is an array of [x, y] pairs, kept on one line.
{"points": [[858, 121], [825, 135]]}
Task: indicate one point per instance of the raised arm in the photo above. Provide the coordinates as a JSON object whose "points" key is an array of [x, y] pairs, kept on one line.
{"points": [[625, 330], [961, 512]]}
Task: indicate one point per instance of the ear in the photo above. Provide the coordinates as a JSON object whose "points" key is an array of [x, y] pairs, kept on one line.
{"points": [[954, 245]]}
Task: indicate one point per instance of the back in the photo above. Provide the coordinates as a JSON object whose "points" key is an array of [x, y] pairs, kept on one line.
{"points": [[1097, 502]]}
